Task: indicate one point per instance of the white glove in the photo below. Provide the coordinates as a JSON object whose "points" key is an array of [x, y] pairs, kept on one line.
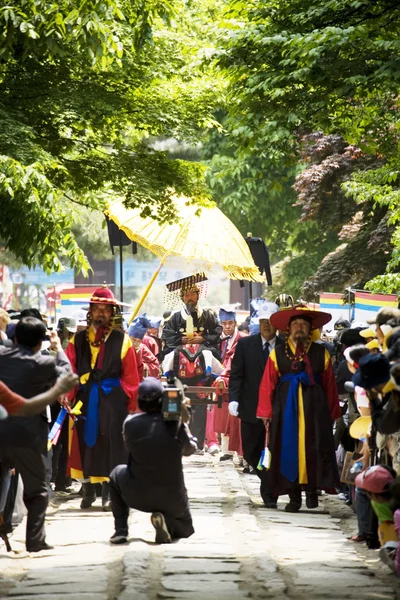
{"points": [[3, 413], [233, 408]]}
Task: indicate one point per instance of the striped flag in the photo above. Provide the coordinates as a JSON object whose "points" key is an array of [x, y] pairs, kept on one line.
{"points": [[366, 304]]}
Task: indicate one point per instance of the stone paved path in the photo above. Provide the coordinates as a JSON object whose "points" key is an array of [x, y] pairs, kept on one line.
{"points": [[239, 550]]}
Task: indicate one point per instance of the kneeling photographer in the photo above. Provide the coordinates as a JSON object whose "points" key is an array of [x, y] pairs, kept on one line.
{"points": [[152, 481]]}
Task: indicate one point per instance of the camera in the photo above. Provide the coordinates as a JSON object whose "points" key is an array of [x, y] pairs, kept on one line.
{"points": [[172, 399]]}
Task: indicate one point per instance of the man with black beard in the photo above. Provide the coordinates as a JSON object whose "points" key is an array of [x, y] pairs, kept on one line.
{"points": [[103, 358], [193, 325]]}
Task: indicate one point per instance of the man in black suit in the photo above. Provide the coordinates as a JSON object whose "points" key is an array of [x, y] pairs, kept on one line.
{"points": [[153, 479], [248, 366], [28, 373]]}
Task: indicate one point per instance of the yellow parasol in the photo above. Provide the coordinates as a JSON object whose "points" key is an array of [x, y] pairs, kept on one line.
{"points": [[202, 235]]}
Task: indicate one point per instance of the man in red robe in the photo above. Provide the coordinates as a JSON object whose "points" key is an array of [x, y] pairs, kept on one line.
{"points": [[148, 365], [224, 423], [298, 396], [105, 361], [152, 338]]}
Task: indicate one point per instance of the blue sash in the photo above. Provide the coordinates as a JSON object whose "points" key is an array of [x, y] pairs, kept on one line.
{"points": [[290, 429], [92, 414]]}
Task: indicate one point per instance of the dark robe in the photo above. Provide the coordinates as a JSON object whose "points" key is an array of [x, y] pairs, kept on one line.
{"points": [[109, 449], [321, 408], [205, 325]]}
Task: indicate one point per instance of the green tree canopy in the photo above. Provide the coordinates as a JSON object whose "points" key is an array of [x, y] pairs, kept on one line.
{"points": [[298, 67], [82, 89]]}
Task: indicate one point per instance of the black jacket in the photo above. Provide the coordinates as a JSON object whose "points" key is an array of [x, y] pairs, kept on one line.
{"points": [[28, 375], [385, 415], [155, 468], [247, 369]]}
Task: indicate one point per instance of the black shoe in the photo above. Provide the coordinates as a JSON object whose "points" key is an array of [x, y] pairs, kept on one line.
{"points": [[311, 500], [226, 457], [120, 536], [293, 507], [105, 497], [246, 470], [89, 495], [162, 533], [87, 502], [39, 547], [270, 504]]}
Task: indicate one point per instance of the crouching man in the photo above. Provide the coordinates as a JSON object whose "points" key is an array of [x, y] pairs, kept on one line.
{"points": [[153, 479]]}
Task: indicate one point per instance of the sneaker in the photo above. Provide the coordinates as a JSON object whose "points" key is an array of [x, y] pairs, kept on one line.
{"points": [[120, 536], [162, 533], [199, 452], [213, 450]]}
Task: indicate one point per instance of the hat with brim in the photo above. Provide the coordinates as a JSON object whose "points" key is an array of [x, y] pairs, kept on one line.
{"points": [[368, 333], [373, 345], [375, 480], [383, 315], [281, 320], [266, 310], [103, 295], [68, 323], [359, 428]]}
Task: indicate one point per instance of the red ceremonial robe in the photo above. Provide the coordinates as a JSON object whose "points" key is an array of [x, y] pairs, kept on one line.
{"points": [[115, 358]]}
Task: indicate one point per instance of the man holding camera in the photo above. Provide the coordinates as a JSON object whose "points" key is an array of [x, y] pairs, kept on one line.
{"points": [[153, 480]]}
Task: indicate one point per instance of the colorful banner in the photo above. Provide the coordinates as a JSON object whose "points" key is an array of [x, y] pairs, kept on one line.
{"points": [[74, 299], [366, 304], [333, 304]]}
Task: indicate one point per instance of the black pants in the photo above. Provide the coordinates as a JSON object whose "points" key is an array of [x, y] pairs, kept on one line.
{"points": [[123, 497], [30, 464], [198, 423], [253, 443]]}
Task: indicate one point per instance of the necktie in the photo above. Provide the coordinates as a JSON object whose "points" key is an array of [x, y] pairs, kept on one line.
{"points": [[266, 351], [224, 347]]}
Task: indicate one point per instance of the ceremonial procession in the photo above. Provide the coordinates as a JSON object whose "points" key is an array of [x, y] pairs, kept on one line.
{"points": [[200, 300]]}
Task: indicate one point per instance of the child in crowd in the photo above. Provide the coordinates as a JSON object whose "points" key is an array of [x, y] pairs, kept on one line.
{"points": [[377, 482], [395, 505]]}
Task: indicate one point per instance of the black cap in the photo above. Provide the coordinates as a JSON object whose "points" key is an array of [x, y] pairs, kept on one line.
{"points": [[374, 369], [150, 389]]}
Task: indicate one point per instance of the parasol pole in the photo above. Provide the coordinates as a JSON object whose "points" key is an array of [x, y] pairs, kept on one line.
{"points": [[152, 280], [146, 291]]}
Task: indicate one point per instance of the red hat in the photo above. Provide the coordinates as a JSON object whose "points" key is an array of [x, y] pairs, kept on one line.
{"points": [[374, 479], [281, 320], [103, 295]]}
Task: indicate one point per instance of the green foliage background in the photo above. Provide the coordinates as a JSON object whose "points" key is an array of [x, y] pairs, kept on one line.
{"points": [[285, 112]]}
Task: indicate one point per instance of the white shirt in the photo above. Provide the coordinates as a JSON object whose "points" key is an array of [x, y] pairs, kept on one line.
{"points": [[271, 343]]}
